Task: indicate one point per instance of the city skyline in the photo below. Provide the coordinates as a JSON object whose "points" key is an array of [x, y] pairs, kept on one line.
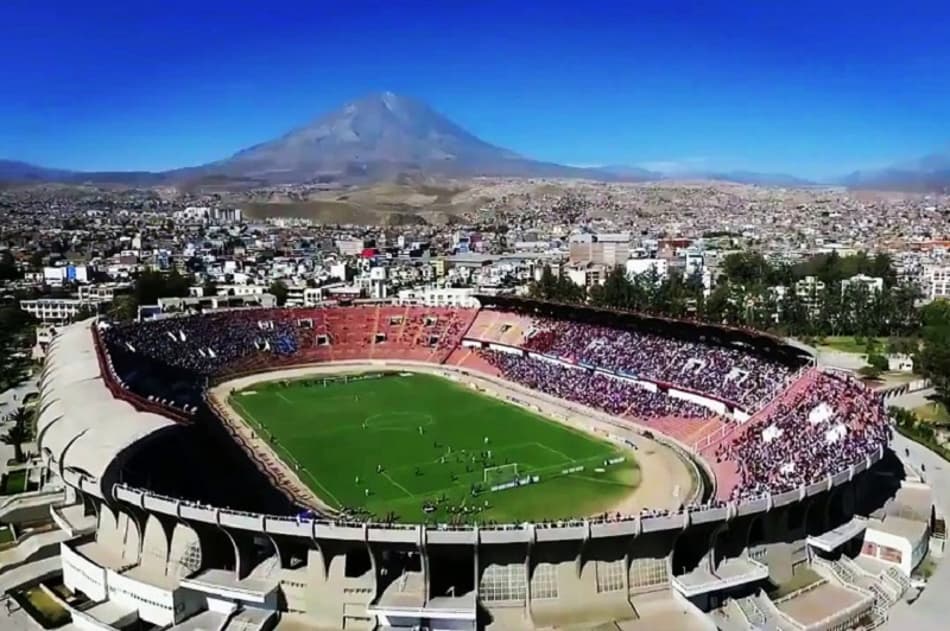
{"points": [[813, 91]]}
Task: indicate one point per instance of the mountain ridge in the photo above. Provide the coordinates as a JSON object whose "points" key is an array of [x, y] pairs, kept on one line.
{"points": [[384, 136]]}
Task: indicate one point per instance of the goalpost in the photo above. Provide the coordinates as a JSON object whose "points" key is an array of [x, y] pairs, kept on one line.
{"points": [[500, 474]]}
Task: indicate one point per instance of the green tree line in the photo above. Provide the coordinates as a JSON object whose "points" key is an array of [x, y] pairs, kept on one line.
{"points": [[746, 294]]}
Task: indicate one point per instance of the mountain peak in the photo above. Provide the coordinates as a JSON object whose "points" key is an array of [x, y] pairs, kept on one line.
{"points": [[379, 132]]}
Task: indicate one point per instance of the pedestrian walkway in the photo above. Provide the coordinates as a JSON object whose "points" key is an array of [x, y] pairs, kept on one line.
{"points": [[929, 611]]}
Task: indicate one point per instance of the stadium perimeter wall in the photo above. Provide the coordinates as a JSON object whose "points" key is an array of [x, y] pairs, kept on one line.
{"points": [[578, 552]]}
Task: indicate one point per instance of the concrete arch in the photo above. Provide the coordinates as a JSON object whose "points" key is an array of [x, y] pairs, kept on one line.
{"points": [[797, 513], [237, 567], [128, 529], [155, 545], [293, 551], [756, 533], [816, 515], [727, 541], [840, 505], [90, 506], [693, 545], [107, 532], [184, 552], [264, 552]]}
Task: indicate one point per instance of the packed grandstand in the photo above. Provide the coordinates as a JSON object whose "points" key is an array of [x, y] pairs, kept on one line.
{"points": [[805, 424], [768, 430]]}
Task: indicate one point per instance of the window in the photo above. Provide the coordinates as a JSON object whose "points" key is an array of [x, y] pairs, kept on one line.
{"points": [[649, 573], [544, 581], [609, 575], [503, 582], [892, 555]]}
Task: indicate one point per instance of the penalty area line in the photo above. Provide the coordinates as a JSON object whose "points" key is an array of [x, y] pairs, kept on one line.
{"points": [[397, 485]]}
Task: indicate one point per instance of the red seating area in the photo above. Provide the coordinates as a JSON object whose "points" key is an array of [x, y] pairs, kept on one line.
{"points": [[471, 359], [688, 431], [425, 334], [501, 327]]}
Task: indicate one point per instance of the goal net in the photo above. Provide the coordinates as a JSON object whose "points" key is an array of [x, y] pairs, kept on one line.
{"points": [[501, 474]]}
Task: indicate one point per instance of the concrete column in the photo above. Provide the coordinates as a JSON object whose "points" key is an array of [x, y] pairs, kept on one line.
{"points": [[527, 572], [477, 568], [579, 561], [424, 553]]}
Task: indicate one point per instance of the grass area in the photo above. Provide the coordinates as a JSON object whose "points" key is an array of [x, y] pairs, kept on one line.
{"points": [[14, 482], [926, 568], [850, 344], [933, 413], [803, 577], [6, 535], [42, 607], [394, 443]]}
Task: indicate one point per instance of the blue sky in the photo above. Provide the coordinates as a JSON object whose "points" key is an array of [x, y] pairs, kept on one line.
{"points": [[810, 88]]}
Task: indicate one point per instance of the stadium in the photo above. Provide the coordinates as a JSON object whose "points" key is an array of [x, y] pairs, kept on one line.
{"points": [[513, 465]]}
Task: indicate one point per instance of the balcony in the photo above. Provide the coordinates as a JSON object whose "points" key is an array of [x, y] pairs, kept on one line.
{"points": [[837, 537], [730, 573]]}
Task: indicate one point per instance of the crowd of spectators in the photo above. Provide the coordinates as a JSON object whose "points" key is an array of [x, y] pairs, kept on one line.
{"points": [[730, 374], [210, 343], [818, 431], [205, 343], [807, 435], [580, 385]]}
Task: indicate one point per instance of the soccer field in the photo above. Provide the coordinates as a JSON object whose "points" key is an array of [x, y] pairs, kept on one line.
{"points": [[428, 449]]}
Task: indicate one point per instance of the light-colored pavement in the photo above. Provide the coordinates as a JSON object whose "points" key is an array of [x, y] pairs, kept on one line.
{"points": [[912, 400], [931, 611], [10, 399]]}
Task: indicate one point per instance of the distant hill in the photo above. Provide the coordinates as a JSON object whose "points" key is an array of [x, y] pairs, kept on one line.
{"points": [[928, 174], [761, 179], [25, 173], [14, 171], [740, 177]]}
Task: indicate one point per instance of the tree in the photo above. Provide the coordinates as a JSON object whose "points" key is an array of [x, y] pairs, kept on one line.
{"points": [[934, 357], [545, 287], [19, 433], [556, 288], [124, 308], [878, 361], [717, 305], [152, 285], [616, 291], [746, 268], [209, 288], [8, 268], [279, 291]]}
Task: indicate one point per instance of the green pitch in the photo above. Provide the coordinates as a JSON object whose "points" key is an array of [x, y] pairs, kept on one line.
{"points": [[418, 446]]}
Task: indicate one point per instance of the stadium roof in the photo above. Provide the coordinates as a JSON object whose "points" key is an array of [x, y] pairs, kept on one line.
{"points": [[81, 425]]}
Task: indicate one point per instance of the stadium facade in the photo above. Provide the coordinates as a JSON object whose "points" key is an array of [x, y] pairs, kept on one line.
{"points": [[193, 529]]}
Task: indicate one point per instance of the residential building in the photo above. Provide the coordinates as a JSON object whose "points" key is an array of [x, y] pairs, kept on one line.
{"points": [[874, 284]]}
